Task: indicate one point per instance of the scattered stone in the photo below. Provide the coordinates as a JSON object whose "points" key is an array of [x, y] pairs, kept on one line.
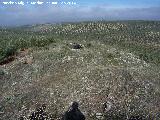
{"points": [[39, 114], [136, 118]]}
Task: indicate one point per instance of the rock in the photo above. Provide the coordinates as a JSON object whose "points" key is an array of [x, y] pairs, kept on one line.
{"points": [[76, 46], [99, 116], [107, 106]]}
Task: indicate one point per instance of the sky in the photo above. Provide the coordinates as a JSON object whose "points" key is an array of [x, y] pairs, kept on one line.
{"points": [[12, 12]]}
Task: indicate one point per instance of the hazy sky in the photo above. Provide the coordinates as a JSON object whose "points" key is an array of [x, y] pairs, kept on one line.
{"points": [[83, 10]]}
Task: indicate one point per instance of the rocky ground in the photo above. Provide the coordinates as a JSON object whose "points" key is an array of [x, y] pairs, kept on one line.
{"points": [[108, 82]]}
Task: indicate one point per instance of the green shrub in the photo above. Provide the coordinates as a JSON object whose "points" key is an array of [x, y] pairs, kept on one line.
{"points": [[9, 51]]}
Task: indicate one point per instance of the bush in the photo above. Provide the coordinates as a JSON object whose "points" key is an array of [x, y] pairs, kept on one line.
{"points": [[8, 52]]}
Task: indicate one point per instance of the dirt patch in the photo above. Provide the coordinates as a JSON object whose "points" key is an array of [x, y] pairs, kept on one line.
{"points": [[22, 53], [7, 60]]}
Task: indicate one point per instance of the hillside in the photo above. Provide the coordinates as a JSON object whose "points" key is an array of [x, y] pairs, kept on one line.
{"points": [[117, 63]]}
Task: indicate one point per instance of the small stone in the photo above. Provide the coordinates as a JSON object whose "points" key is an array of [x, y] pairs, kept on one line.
{"points": [[99, 116]]}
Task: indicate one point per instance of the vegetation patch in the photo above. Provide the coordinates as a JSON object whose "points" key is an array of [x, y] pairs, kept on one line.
{"points": [[8, 55], [110, 68]]}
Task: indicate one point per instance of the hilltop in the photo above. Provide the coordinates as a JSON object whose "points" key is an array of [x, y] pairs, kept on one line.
{"points": [[117, 63]]}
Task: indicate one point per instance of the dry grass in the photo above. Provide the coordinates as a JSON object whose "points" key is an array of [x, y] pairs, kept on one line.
{"points": [[92, 76]]}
